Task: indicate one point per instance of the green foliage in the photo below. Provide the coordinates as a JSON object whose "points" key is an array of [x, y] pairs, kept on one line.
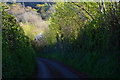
{"points": [[18, 56], [88, 37], [29, 20], [42, 8]]}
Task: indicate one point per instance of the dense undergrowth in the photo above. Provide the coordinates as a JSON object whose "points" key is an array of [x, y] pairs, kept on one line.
{"points": [[18, 56], [92, 47]]}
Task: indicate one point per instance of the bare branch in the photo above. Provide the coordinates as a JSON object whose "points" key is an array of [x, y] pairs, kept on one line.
{"points": [[104, 11], [76, 11], [100, 6], [84, 10], [79, 10]]}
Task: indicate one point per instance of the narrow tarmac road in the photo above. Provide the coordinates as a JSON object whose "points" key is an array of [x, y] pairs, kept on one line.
{"points": [[51, 69]]}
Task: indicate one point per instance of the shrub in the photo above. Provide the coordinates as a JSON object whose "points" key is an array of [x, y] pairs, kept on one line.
{"points": [[18, 56]]}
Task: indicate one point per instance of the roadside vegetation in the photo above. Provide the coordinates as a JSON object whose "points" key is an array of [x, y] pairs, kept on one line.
{"points": [[84, 35], [87, 37], [18, 56]]}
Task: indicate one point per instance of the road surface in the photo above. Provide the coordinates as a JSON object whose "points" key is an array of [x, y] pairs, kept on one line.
{"points": [[51, 69]]}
